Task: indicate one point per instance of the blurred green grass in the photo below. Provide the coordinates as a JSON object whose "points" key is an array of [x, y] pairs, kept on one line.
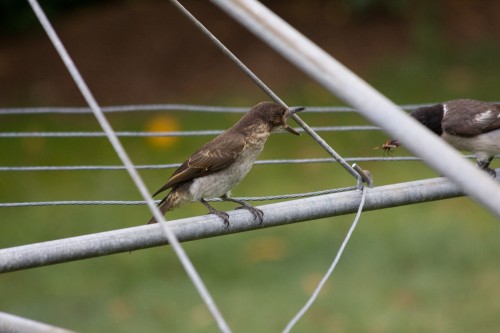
{"points": [[429, 267]]}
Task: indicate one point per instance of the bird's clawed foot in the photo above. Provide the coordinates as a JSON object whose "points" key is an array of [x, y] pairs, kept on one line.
{"points": [[484, 164], [222, 215], [257, 213]]}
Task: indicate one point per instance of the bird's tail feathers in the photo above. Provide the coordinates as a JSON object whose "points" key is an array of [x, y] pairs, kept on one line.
{"points": [[165, 205], [165, 187]]}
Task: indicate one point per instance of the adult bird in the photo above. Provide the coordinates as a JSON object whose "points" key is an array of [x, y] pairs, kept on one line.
{"points": [[466, 124], [219, 165]]}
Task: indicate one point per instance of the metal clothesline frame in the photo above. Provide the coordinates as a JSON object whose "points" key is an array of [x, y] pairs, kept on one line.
{"points": [[15, 324], [200, 227], [335, 78], [343, 83]]}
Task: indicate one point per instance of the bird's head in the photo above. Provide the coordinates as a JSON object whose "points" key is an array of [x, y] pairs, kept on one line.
{"points": [[276, 115]]}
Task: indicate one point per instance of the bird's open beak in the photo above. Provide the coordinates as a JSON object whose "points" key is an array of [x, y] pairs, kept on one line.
{"points": [[290, 112]]}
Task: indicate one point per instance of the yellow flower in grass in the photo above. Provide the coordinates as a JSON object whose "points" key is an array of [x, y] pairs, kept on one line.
{"points": [[162, 123]]}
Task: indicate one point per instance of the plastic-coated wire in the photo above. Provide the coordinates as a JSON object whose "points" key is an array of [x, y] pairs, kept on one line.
{"points": [[123, 108], [267, 90], [176, 165], [155, 107], [103, 135], [166, 134], [89, 98], [152, 107], [142, 202], [176, 107], [315, 294]]}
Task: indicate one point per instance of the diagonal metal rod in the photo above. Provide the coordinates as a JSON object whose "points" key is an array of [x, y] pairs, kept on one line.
{"points": [[134, 175], [377, 108], [267, 90], [199, 227], [14, 324]]}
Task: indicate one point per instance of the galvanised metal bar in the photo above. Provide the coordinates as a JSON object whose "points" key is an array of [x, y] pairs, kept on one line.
{"points": [[340, 81], [129, 239], [14, 324]]}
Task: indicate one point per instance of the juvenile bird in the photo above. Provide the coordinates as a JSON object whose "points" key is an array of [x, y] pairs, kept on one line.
{"points": [[466, 124], [219, 165]]}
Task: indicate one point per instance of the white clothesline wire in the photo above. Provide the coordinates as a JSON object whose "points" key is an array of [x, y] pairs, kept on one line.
{"points": [[329, 272], [176, 165], [99, 134], [175, 107], [142, 202]]}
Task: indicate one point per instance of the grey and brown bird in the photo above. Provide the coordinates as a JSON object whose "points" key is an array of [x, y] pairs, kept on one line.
{"points": [[466, 124], [219, 165]]}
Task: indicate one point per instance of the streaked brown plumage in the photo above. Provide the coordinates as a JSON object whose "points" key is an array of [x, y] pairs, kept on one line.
{"points": [[219, 165]]}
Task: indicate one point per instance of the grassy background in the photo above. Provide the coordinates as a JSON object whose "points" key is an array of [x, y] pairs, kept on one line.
{"points": [[423, 268]]}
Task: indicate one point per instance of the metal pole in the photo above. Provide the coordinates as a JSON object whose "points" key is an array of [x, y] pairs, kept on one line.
{"points": [[340, 81], [14, 324], [125, 240]]}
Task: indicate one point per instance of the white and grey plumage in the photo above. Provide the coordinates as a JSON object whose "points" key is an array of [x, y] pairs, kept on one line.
{"points": [[466, 124], [219, 165]]}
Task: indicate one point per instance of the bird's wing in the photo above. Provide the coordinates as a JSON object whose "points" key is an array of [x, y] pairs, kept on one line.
{"points": [[469, 118], [213, 156]]}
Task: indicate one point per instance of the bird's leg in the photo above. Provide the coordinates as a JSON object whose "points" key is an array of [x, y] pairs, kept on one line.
{"points": [[223, 215], [257, 213], [484, 164]]}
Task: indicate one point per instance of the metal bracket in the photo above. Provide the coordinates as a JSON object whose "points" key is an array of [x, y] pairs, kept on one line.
{"points": [[364, 176]]}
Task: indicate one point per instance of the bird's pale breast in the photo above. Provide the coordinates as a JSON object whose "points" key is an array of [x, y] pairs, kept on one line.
{"points": [[488, 142], [221, 182]]}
